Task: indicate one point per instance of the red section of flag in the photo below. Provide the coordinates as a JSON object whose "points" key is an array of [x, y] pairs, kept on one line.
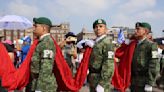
{"points": [[122, 75], [18, 78]]}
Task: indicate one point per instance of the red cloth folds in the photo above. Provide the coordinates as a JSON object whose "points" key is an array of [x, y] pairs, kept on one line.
{"points": [[11, 77], [18, 78], [63, 73], [122, 74]]}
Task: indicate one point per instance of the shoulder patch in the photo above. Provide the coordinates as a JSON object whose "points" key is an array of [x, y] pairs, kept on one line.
{"points": [[154, 54], [48, 54], [110, 54]]}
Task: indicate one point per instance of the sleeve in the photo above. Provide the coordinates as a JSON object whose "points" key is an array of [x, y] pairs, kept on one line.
{"points": [[35, 61], [153, 64], [107, 65], [47, 51], [44, 53]]}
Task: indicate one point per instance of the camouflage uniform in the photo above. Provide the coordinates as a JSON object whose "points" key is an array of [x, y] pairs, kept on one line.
{"points": [[42, 66], [144, 65], [101, 65]]}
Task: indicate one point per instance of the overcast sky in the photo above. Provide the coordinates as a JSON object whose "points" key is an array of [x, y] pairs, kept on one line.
{"points": [[82, 13]]}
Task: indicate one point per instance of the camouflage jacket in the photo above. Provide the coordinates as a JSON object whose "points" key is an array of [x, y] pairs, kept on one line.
{"points": [[145, 63], [101, 65], [42, 65]]}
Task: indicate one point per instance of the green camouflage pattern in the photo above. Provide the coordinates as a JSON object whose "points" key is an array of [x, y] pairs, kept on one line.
{"points": [[144, 64], [42, 66], [101, 65]]}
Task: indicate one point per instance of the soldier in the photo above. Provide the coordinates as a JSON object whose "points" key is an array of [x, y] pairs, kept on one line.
{"points": [[145, 61], [101, 65], [43, 79]]}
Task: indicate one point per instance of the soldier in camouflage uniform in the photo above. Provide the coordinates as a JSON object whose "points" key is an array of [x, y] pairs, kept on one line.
{"points": [[43, 58], [101, 65], [145, 61]]}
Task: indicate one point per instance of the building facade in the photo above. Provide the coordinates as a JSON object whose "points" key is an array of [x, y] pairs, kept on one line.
{"points": [[57, 31], [112, 32]]}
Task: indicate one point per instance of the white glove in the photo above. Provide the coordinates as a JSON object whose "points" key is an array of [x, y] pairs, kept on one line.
{"points": [[38, 91], [90, 43], [148, 88], [79, 45], [99, 88], [127, 41]]}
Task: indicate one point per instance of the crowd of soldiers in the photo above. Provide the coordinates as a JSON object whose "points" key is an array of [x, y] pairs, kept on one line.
{"points": [[144, 68]]}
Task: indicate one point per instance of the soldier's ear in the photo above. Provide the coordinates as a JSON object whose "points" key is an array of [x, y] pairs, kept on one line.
{"points": [[146, 31], [44, 29]]}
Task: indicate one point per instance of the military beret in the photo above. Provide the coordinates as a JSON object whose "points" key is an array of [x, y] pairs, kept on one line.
{"points": [[42, 20], [99, 21], [144, 25]]}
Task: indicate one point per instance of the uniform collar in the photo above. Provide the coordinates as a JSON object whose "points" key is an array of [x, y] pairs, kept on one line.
{"points": [[99, 38], [41, 37], [140, 41]]}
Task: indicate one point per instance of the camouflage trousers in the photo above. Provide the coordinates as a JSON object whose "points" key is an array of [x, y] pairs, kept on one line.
{"points": [[135, 88], [93, 79]]}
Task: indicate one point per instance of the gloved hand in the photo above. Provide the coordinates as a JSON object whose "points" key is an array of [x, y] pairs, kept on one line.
{"points": [[99, 88], [90, 43], [148, 88], [127, 41]]}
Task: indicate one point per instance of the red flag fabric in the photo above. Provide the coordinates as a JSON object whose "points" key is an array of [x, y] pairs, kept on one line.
{"points": [[63, 73], [122, 74], [11, 77], [18, 78]]}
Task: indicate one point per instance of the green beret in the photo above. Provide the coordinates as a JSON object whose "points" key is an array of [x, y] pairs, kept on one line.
{"points": [[144, 25], [42, 20], [99, 21]]}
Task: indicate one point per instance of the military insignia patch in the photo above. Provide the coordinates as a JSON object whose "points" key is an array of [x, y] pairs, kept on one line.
{"points": [[99, 21], [48, 54], [110, 54], [154, 54], [137, 25]]}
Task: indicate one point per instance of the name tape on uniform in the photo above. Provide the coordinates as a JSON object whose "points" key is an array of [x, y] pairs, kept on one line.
{"points": [[110, 54]]}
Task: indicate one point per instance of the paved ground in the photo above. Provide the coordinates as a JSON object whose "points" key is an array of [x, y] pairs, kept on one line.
{"points": [[155, 89]]}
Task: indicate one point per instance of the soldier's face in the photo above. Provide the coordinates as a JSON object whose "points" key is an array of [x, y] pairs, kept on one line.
{"points": [[140, 32], [100, 29], [38, 29]]}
